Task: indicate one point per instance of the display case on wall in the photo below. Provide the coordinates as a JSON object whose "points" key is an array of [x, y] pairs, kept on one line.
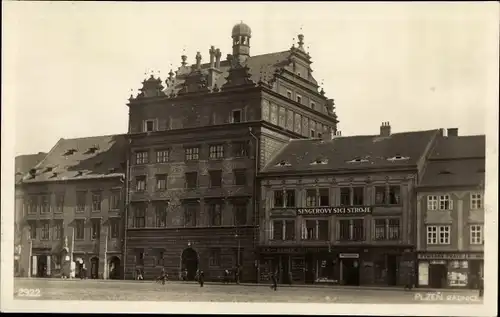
{"points": [[423, 273], [458, 273]]}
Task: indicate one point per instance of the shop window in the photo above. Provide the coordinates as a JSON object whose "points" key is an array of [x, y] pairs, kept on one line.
{"points": [[190, 213], [445, 202], [215, 178], [290, 197], [432, 202], [476, 201], [216, 151], [324, 197], [423, 273], [394, 195], [345, 196], [380, 197], [215, 211], [279, 201], [358, 196], [311, 198]]}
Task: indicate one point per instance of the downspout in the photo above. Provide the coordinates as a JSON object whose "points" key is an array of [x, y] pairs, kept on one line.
{"points": [[255, 202], [127, 204]]}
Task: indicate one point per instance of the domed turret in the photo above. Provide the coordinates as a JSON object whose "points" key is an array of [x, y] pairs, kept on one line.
{"points": [[241, 35]]}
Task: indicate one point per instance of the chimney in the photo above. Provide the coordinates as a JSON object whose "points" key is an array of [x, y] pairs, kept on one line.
{"points": [[452, 132], [212, 56], [218, 55], [385, 129]]}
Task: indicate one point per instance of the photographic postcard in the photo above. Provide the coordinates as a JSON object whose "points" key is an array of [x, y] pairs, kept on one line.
{"points": [[266, 158]]}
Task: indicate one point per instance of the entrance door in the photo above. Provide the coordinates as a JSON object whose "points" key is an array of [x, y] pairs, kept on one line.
{"points": [[190, 263], [310, 269], [437, 275], [350, 271], [41, 266], [114, 268], [392, 270], [285, 269], [94, 268]]}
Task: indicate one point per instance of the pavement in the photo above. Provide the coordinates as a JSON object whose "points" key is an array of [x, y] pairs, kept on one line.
{"points": [[128, 290]]}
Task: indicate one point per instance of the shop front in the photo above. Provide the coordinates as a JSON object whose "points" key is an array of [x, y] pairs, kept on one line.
{"points": [[449, 270]]}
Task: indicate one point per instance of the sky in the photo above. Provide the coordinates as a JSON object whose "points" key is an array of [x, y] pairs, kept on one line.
{"points": [[69, 68]]}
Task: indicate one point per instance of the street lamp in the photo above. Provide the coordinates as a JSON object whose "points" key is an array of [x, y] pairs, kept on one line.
{"points": [[238, 260]]}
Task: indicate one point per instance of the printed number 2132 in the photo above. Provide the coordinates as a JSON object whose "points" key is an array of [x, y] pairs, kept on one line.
{"points": [[29, 292]]}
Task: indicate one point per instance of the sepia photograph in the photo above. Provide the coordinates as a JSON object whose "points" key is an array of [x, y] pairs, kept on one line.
{"points": [[235, 157]]}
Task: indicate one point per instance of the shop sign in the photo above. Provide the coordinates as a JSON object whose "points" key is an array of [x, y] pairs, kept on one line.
{"points": [[438, 262], [349, 255], [282, 250], [333, 211], [450, 256]]}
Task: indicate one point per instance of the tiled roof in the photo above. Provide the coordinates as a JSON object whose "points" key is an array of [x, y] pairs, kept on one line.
{"points": [[460, 147], [261, 67], [457, 172], [456, 161], [25, 162], [95, 157], [353, 152]]}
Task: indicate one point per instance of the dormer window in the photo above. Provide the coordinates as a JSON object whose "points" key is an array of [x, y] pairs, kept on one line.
{"points": [[48, 169], [79, 173], [319, 161], [358, 160], [54, 175], [92, 149], [70, 152], [299, 99], [283, 163], [398, 158]]}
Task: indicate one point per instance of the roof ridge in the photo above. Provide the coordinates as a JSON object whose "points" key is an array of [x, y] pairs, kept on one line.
{"points": [[250, 57], [95, 136]]}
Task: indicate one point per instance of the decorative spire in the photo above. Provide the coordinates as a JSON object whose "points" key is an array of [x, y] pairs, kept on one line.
{"points": [[198, 60], [183, 58], [301, 41]]}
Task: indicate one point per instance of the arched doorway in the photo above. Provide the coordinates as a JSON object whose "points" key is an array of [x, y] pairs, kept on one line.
{"points": [[190, 263], [94, 268], [114, 268]]}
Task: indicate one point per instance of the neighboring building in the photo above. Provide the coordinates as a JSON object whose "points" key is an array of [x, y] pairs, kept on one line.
{"points": [[341, 211], [196, 147], [22, 165], [450, 213], [72, 207]]}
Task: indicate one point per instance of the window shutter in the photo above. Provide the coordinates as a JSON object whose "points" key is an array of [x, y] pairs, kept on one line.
{"points": [[451, 202], [303, 230]]}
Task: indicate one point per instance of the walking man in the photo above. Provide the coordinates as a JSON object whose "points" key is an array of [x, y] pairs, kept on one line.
{"points": [[274, 281], [201, 277]]}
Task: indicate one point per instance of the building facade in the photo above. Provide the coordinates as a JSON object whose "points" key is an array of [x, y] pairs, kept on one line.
{"points": [[71, 206], [197, 144], [341, 211], [450, 213]]}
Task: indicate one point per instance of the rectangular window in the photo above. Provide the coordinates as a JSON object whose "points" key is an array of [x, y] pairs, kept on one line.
{"points": [[32, 205], [162, 156], [96, 229], [432, 235], [311, 198], [323, 230], [380, 196], [192, 153], [445, 202], [191, 180], [311, 232], [289, 230], [114, 228], [216, 152], [240, 213], [161, 182], [161, 215], [283, 230], [149, 125], [476, 234], [240, 177], [358, 196], [140, 183], [289, 94], [313, 105], [96, 201], [214, 258], [140, 217], [444, 234], [277, 230], [393, 227], [159, 258], [290, 198], [215, 210], [299, 99], [33, 230], [236, 117], [115, 200], [58, 230], [240, 149], [190, 213], [215, 178], [279, 201], [324, 197], [81, 201], [79, 229], [141, 157], [59, 202], [394, 195], [45, 231], [476, 201], [358, 231], [312, 133], [344, 230], [432, 202], [345, 196], [380, 229], [45, 204]]}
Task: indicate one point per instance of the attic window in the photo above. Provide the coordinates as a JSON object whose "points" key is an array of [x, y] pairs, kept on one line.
{"points": [[398, 158], [70, 152], [358, 160], [48, 169], [79, 173], [283, 163], [98, 163], [54, 175], [319, 161], [444, 172], [92, 149]]}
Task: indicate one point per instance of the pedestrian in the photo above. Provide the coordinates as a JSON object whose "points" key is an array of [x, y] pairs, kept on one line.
{"points": [[290, 278], [226, 276], [237, 274], [201, 278], [274, 281], [481, 286]]}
